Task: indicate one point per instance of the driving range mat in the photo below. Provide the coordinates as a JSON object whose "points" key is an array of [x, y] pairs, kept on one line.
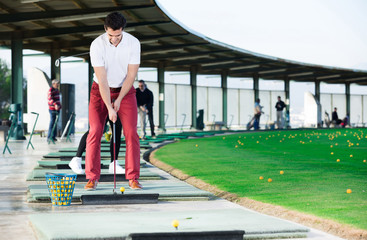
{"points": [[115, 225]]}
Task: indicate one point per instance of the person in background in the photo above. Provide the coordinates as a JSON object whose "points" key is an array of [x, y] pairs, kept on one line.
{"points": [[345, 121], [144, 98], [280, 105], [257, 114], [335, 118], [76, 162], [54, 107]]}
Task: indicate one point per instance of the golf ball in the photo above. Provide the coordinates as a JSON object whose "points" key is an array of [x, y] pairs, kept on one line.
{"points": [[175, 223], [122, 189], [349, 190]]}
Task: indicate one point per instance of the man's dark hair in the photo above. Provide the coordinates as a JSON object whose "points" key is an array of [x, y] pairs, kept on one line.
{"points": [[115, 20], [141, 81]]}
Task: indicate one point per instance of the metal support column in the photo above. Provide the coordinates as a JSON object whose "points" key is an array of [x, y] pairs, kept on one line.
{"points": [[287, 93], [193, 83], [347, 95], [161, 95], [317, 90], [224, 76], [17, 83], [256, 86]]}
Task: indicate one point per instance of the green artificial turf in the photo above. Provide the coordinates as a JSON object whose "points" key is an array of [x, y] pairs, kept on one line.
{"points": [[313, 181]]}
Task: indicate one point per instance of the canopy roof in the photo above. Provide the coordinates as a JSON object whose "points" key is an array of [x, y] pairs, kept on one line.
{"points": [[71, 25]]}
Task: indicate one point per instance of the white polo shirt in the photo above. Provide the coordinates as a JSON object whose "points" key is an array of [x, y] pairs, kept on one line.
{"points": [[115, 59]]}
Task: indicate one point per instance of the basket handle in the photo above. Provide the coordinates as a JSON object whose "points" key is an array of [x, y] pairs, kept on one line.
{"points": [[58, 175]]}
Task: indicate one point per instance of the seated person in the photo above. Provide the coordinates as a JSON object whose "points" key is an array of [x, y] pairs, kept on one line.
{"points": [[76, 163], [334, 117], [345, 121]]}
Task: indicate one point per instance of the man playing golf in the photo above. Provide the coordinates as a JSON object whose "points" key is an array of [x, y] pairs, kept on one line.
{"points": [[115, 57]]}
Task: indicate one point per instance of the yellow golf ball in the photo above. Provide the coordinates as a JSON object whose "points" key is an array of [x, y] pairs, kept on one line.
{"points": [[175, 223], [351, 155], [349, 190], [338, 160], [122, 189], [331, 153], [270, 180], [261, 177], [281, 172], [196, 145], [365, 160]]}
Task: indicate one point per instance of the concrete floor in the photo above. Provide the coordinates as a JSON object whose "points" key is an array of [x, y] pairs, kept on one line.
{"points": [[14, 209]]}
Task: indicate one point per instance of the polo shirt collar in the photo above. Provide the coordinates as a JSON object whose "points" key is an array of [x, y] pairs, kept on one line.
{"points": [[107, 41]]}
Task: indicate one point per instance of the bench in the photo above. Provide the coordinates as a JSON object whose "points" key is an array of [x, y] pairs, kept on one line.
{"points": [[215, 125]]}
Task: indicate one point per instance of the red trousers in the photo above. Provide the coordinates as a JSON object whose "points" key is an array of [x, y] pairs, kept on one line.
{"points": [[98, 113]]}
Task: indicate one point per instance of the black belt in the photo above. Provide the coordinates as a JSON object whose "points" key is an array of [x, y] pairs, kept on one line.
{"points": [[115, 89]]}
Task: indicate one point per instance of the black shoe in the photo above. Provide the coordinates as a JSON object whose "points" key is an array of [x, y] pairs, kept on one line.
{"points": [[54, 139]]}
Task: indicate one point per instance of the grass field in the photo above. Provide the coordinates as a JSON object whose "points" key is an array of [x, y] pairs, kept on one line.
{"points": [[314, 180]]}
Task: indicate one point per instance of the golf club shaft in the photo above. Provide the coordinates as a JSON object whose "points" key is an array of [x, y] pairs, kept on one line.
{"points": [[114, 158]]}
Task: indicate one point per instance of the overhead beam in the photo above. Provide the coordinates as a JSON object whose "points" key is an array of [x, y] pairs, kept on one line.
{"points": [[70, 30], [151, 50], [176, 62], [54, 14], [261, 67], [215, 61], [83, 43]]}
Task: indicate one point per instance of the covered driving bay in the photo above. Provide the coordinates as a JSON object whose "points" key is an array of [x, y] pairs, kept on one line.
{"points": [[66, 28]]}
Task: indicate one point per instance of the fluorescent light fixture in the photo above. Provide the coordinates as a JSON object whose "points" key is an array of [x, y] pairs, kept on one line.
{"points": [[356, 79], [190, 57], [79, 17], [93, 34], [213, 76], [131, 29], [179, 73], [149, 41], [245, 67], [300, 74], [163, 51], [330, 76], [216, 63], [273, 71], [32, 1]]}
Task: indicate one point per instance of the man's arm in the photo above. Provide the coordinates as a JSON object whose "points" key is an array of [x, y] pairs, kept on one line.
{"points": [[104, 89], [132, 70]]}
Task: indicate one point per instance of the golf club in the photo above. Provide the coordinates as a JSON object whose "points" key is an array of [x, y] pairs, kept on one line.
{"points": [[57, 61]]}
